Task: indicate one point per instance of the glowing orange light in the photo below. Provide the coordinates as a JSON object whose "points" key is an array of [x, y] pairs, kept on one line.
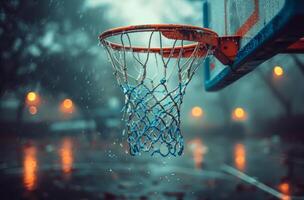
{"points": [[67, 106], [67, 103], [31, 96], [33, 110], [30, 166], [198, 152], [239, 114], [240, 156], [284, 188], [66, 155], [278, 71], [285, 197], [32, 99], [197, 111]]}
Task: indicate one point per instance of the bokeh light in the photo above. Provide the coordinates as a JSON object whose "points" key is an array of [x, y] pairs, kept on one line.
{"points": [[31, 96], [67, 106], [278, 71], [30, 167], [198, 150], [33, 110], [239, 114], [66, 155], [32, 99], [197, 112], [284, 188], [67, 103], [240, 156]]}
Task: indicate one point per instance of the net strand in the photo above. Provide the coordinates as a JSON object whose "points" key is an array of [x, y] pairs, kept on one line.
{"points": [[152, 109]]}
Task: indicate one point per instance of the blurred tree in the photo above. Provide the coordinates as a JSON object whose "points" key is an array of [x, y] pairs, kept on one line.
{"points": [[53, 44]]}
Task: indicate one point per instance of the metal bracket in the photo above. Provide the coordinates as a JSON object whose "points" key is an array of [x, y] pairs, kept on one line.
{"points": [[227, 49]]}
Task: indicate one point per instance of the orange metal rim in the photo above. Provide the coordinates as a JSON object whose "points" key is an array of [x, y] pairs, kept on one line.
{"points": [[160, 28]]}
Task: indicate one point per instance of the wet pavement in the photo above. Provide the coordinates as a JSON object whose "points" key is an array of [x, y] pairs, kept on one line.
{"points": [[89, 166]]}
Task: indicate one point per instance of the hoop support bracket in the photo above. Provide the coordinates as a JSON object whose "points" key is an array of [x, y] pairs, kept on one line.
{"points": [[227, 49]]}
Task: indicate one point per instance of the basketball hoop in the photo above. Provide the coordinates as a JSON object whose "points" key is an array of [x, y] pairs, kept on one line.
{"points": [[154, 77]]}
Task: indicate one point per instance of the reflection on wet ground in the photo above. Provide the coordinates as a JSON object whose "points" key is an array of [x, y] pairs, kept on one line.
{"points": [[239, 156], [30, 168], [66, 156], [87, 166]]}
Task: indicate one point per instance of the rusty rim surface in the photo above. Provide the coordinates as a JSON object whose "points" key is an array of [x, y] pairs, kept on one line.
{"points": [[196, 34]]}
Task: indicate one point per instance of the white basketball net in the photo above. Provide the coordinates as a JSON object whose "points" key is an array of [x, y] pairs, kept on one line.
{"points": [[154, 85]]}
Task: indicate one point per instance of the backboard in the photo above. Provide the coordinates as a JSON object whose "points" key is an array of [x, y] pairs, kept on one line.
{"points": [[266, 27], [236, 37]]}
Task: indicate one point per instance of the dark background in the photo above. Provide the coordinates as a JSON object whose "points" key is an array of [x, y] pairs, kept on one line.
{"points": [[52, 48]]}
